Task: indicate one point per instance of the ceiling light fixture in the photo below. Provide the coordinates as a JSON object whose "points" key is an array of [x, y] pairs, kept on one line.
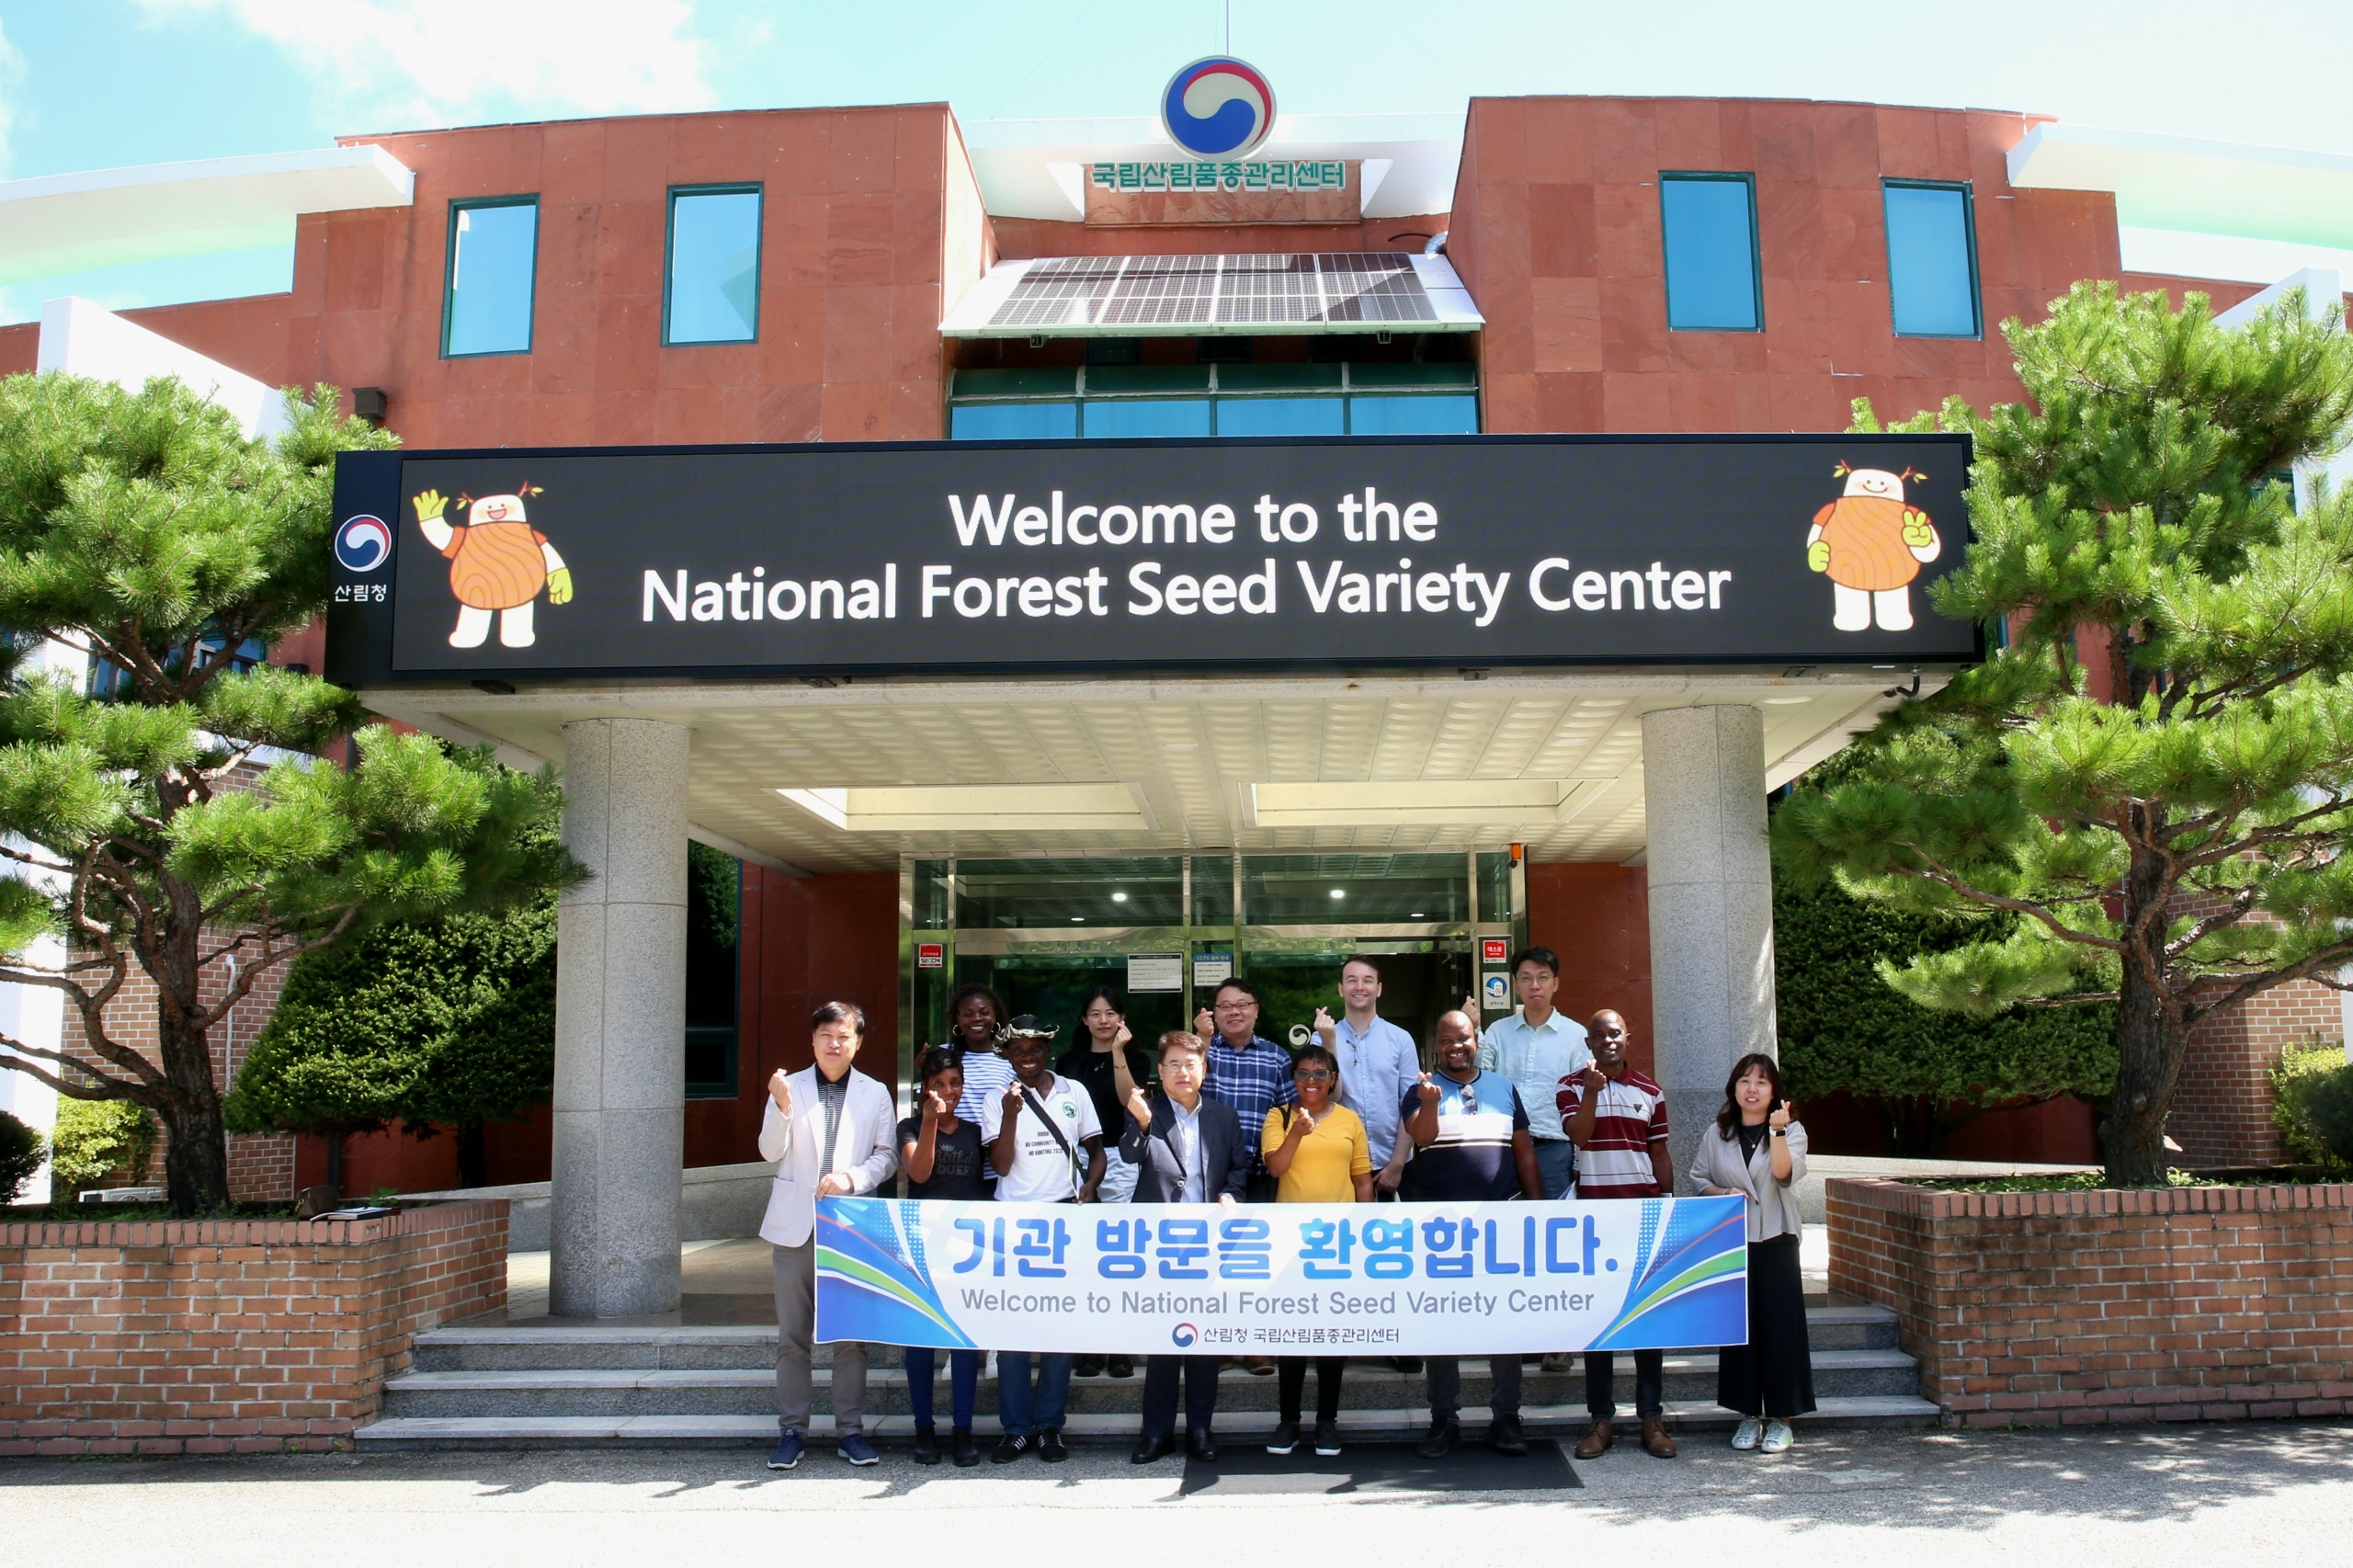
{"points": [[1118, 898], [1339, 892]]}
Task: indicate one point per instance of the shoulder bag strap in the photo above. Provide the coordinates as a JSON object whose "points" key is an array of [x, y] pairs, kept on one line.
{"points": [[1077, 1177]]}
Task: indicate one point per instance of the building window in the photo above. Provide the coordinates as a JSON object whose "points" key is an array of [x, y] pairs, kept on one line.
{"points": [[714, 920], [1125, 401], [1932, 260], [487, 306], [710, 291], [1709, 222]]}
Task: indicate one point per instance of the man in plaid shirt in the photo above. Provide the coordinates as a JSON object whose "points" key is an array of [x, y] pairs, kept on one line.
{"points": [[1253, 1077]]}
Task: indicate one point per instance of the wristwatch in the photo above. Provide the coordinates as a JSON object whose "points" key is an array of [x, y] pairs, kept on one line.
{"points": [[1780, 1133]]}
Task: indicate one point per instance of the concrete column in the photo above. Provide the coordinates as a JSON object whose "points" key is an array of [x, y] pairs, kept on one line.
{"points": [[620, 1010], [1711, 906]]}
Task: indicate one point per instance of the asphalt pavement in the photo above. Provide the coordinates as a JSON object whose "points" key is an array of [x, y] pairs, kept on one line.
{"points": [[2107, 1497]]}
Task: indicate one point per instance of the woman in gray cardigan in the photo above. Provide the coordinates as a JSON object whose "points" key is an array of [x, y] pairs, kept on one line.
{"points": [[1759, 1151]]}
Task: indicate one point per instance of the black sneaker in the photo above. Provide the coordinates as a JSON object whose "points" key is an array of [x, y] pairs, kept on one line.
{"points": [[1119, 1367], [1011, 1447], [1327, 1438], [1445, 1432], [1049, 1446], [1504, 1436], [1285, 1439], [1086, 1367]]}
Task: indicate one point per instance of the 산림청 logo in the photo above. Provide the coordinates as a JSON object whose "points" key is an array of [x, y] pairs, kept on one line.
{"points": [[1218, 108], [363, 543], [1184, 1334]]}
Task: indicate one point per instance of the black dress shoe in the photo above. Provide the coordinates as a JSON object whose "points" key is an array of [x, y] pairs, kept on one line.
{"points": [[1086, 1367], [1406, 1364], [1119, 1367], [1151, 1450], [1504, 1436], [1011, 1447], [1201, 1444], [1444, 1434], [1049, 1446], [966, 1453], [927, 1444]]}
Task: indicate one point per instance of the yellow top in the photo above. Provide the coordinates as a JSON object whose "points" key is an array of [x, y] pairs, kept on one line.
{"points": [[1326, 1159]]}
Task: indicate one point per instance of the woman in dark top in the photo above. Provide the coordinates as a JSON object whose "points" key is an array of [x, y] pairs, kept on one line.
{"points": [[940, 1151], [1759, 1153], [1103, 1059]]}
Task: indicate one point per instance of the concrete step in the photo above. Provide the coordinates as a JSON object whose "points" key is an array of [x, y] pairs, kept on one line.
{"points": [[617, 1393], [1842, 1327], [757, 1432]]}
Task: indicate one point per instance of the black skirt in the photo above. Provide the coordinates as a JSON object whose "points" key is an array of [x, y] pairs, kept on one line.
{"points": [[1772, 1375]]}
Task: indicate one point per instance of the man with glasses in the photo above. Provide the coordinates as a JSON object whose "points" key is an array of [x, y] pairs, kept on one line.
{"points": [[1535, 1048], [1471, 1143], [1252, 1075]]}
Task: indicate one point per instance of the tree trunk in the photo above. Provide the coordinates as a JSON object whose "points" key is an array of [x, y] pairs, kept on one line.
{"points": [[474, 1157], [2148, 1048], [196, 1167]]}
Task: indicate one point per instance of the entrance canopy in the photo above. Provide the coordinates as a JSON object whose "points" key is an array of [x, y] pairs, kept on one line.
{"points": [[994, 649]]}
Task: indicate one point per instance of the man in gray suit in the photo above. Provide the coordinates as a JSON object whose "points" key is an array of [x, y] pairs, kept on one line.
{"points": [[1188, 1149]]}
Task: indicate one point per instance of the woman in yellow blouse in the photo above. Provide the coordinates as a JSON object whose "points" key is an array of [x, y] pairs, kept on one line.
{"points": [[1318, 1152]]}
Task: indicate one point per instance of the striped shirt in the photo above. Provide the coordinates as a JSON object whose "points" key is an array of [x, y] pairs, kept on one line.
{"points": [[1629, 1118], [1253, 1078], [987, 1075]]}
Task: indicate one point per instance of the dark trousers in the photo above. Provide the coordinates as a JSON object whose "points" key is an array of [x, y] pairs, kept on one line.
{"points": [[1291, 1376], [1773, 1373], [1160, 1375], [963, 1383], [1650, 1383], [1446, 1386]]}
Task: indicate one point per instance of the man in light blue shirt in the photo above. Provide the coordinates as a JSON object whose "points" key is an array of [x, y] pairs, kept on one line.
{"points": [[1378, 1064], [1535, 1048]]}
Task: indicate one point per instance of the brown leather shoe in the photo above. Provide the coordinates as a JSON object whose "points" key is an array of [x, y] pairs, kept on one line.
{"points": [[1598, 1438], [1259, 1366], [1655, 1442]]}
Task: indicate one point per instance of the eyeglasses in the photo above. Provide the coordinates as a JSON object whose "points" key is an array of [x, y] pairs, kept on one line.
{"points": [[1313, 1076]]}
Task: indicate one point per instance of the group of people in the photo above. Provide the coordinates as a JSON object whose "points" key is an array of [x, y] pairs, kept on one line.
{"points": [[1537, 1108]]}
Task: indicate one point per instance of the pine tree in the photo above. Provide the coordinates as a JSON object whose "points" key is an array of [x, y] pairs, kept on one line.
{"points": [[2171, 838], [143, 530]]}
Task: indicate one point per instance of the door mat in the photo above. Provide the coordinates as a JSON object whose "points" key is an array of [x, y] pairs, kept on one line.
{"points": [[1245, 1470]]}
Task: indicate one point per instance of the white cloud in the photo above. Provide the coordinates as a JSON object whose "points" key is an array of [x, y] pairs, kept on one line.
{"points": [[397, 64], [12, 71]]}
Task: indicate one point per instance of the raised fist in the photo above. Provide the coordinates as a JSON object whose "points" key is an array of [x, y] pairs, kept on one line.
{"points": [[1141, 1109], [1780, 1120], [1204, 1026], [781, 1091], [1594, 1079], [1012, 1102], [1426, 1091], [1325, 1026]]}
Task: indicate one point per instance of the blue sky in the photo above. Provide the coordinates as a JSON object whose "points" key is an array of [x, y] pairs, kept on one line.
{"points": [[97, 84]]}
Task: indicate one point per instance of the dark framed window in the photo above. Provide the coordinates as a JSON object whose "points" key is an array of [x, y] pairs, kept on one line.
{"points": [[488, 276], [710, 276], [1118, 400], [1707, 225], [714, 981], [1932, 259]]}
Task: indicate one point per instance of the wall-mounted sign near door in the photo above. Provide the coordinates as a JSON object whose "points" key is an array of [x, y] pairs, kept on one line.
{"points": [[931, 955], [1155, 971], [1494, 949]]}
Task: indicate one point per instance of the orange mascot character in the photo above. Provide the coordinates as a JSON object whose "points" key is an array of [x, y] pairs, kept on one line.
{"points": [[1870, 545], [498, 563]]}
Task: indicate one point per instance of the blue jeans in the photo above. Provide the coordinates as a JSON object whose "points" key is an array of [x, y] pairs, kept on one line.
{"points": [[1556, 1165], [963, 1378], [1020, 1410]]}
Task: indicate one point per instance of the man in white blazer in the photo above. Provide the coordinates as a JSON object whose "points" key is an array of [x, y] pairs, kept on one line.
{"points": [[829, 1131]]}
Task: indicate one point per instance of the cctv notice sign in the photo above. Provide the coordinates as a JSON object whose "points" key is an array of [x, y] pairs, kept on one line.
{"points": [[1469, 551], [1324, 1280]]}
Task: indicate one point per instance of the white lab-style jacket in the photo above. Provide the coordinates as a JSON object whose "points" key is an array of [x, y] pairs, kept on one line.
{"points": [[864, 1151]]}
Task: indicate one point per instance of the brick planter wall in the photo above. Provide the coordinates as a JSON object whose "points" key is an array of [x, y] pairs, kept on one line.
{"points": [[2044, 1308], [226, 1336]]}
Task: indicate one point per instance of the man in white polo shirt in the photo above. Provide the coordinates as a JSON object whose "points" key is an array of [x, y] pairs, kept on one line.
{"points": [[1535, 1048]]}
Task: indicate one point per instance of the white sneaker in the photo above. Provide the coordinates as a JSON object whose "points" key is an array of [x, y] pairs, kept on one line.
{"points": [[1750, 1430], [1778, 1437]]}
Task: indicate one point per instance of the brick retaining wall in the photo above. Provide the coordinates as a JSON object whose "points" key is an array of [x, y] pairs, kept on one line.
{"points": [[226, 1336], [2049, 1308]]}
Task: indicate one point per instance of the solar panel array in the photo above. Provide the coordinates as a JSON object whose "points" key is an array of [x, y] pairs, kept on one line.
{"points": [[1172, 290]]}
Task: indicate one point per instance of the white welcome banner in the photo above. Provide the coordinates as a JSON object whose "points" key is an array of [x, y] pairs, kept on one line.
{"points": [[1398, 1280]]}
